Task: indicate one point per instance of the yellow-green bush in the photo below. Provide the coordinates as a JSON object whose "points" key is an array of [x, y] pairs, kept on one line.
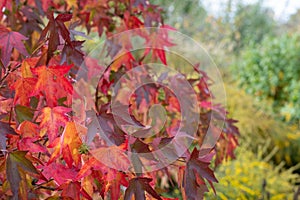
{"points": [[257, 124], [271, 71], [250, 177]]}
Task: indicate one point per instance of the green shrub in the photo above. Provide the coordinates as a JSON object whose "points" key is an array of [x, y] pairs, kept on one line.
{"points": [[250, 177], [272, 70], [257, 125]]}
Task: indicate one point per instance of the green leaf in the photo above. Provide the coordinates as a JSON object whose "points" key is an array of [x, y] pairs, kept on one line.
{"points": [[16, 160], [4, 130], [24, 113]]}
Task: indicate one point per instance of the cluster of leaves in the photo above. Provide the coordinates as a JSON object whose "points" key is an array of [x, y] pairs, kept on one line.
{"points": [[257, 124], [42, 154], [271, 71], [251, 23], [252, 176]]}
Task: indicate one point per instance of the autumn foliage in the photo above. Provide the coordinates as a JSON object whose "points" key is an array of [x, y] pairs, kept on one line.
{"points": [[43, 151]]}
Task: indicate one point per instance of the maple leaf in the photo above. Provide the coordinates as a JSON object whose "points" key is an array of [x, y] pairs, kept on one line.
{"points": [[16, 160], [8, 41], [114, 185], [23, 113], [92, 66], [157, 42], [93, 165], [145, 157], [112, 156], [197, 169], [30, 134], [110, 129], [24, 88], [139, 2], [26, 66], [68, 145], [56, 27], [28, 144], [97, 14], [152, 15], [28, 129], [122, 59], [52, 119], [73, 190], [5, 105], [113, 179], [2, 6], [86, 169], [72, 53], [4, 130], [52, 83], [137, 188], [132, 22], [31, 21], [59, 172]]}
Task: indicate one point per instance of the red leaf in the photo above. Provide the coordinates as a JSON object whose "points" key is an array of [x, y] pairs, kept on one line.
{"points": [[115, 184], [4, 130], [64, 17], [67, 145], [55, 27], [27, 144], [197, 169], [123, 58], [71, 53], [73, 190], [157, 42], [138, 187], [52, 83], [112, 156], [86, 169], [110, 128], [52, 119], [29, 129], [16, 160], [59, 172], [8, 41], [152, 15], [24, 88]]}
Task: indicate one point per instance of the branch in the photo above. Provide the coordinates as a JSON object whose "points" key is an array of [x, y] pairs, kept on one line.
{"points": [[7, 73], [297, 193]]}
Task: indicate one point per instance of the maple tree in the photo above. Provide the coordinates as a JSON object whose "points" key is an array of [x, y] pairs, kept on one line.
{"points": [[43, 150]]}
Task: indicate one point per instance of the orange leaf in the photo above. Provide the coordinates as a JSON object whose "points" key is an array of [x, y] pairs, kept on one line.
{"points": [[86, 169], [68, 145], [26, 66], [113, 157], [59, 172], [52, 119], [8, 41], [52, 83], [73, 190], [28, 129], [24, 88]]}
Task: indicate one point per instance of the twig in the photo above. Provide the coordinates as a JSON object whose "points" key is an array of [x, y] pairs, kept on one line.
{"points": [[7, 73], [297, 193], [46, 188]]}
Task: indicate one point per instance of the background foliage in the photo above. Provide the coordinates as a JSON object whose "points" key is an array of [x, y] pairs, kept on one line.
{"points": [[258, 56], [45, 152], [272, 71]]}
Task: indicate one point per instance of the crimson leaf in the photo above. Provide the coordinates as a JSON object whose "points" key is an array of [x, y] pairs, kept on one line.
{"points": [[138, 186], [197, 170], [4, 130], [16, 160], [8, 41]]}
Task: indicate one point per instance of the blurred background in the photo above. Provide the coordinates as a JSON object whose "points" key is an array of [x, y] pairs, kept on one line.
{"points": [[256, 46]]}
